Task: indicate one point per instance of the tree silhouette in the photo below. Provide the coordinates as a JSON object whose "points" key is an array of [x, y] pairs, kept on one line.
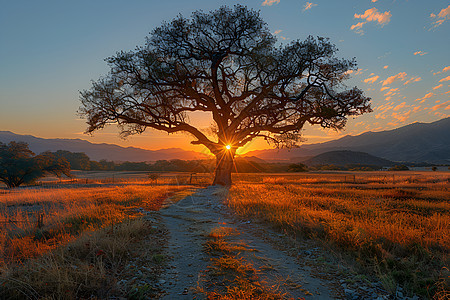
{"points": [[228, 64]]}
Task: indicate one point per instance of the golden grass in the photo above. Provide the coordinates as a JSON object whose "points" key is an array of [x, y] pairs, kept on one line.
{"points": [[66, 213], [230, 276], [400, 231]]}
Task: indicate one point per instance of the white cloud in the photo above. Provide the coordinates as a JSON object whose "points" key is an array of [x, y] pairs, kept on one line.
{"points": [[442, 16], [308, 5], [400, 76], [270, 2], [371, 15]]}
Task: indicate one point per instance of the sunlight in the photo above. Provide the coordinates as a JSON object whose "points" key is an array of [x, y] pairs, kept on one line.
{"points": [[228, 147]]}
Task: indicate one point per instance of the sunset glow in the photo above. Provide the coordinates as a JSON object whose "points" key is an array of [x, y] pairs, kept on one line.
{"points": [[401, 48]]}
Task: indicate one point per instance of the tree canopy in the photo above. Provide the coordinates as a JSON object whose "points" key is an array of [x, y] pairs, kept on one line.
{"points": [[18, 165], [228, 64]]}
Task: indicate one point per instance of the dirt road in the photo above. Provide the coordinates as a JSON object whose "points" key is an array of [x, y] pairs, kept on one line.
{"points": [[291, 270]]}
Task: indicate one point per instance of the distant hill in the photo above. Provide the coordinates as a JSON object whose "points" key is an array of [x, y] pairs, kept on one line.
{"points": [[417, 142], [100, 151], [346, 157]]}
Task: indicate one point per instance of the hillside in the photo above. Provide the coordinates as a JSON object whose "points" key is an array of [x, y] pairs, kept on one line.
{"points": [[100, 151], [417, 142], [346, 157]]}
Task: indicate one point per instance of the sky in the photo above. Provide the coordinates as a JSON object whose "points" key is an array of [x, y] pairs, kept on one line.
{"points": [[51, 50]]}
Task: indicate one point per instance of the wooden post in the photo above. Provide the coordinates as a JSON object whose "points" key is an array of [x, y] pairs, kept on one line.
{"points": [[40, 220]]}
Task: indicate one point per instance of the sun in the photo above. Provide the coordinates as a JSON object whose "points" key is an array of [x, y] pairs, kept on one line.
{"points": [[228, 147]]}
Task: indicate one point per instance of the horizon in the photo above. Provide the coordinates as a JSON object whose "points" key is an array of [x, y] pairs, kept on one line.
{"points": [[407, 78]]}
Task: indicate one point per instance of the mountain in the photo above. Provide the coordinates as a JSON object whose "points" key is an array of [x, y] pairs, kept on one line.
{"points": [[417, 142], [100, 151], [346, 157]]}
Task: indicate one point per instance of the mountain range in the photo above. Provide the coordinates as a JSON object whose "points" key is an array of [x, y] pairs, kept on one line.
{"points": [[100, 151], [417, 142]]}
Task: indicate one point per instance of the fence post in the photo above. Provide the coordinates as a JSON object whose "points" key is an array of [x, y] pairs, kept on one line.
{"points": [[40, 220]]}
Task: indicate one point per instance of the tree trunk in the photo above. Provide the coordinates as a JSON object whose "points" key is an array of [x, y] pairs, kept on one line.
{"points": [[224, 166]]}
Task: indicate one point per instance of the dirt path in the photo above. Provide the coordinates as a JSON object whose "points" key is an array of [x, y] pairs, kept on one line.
{"points": [[304, 274]]}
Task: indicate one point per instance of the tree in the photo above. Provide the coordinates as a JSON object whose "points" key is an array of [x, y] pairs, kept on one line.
{"points": [[18, 165], [228, 64], [299, 167]]}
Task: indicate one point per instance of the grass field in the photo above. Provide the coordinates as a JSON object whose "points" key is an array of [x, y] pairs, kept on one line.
{"points": [[63, 241], [395, 225]]}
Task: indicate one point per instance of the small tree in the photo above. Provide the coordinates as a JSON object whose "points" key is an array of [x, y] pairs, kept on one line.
{"points": [[225, 63], [18, 165]]}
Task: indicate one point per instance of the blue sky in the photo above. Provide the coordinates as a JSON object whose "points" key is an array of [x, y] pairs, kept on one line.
{"points": [[52, 49]]}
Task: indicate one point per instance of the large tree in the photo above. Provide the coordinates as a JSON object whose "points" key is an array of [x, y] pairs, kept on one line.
{"points": [[228, 64]]}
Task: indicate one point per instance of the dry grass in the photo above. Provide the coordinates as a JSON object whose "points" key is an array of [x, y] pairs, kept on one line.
{"points": [[230, 276], [84, 237], [399, 231]]}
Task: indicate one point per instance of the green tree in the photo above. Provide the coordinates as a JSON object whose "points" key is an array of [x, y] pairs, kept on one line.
{"points": [[18, 165], [225, 63]]}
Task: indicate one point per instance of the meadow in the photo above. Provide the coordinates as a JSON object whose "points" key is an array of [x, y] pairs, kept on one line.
{"points": [[58, 236], [395, 226], [71, 240]]}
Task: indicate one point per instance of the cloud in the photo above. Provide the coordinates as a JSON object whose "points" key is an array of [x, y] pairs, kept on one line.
{"points": [[401, 117], [442, 16], [436, 107], [400, 76], [427, 96], [400, 106], [374, 1], [371, 15], [278, 31], [270, 2], [420, 53], [384, 88], [371, 79], [443, 70], [412, 79], [438, 86], [308, 5], [385, 67], [445, 79]]}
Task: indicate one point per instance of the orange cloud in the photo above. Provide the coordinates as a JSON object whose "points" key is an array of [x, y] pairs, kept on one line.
{"points": [[399, 76], [270, 2], [413, 79], [384, 88], [309, 5], [420, 53], [385, 67], [371, 79], [371, 15], [438, 86], [445, 79], [443, 70], [442, 16], [427, 96], [436, 107], [402, 117], [400, 106]]}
